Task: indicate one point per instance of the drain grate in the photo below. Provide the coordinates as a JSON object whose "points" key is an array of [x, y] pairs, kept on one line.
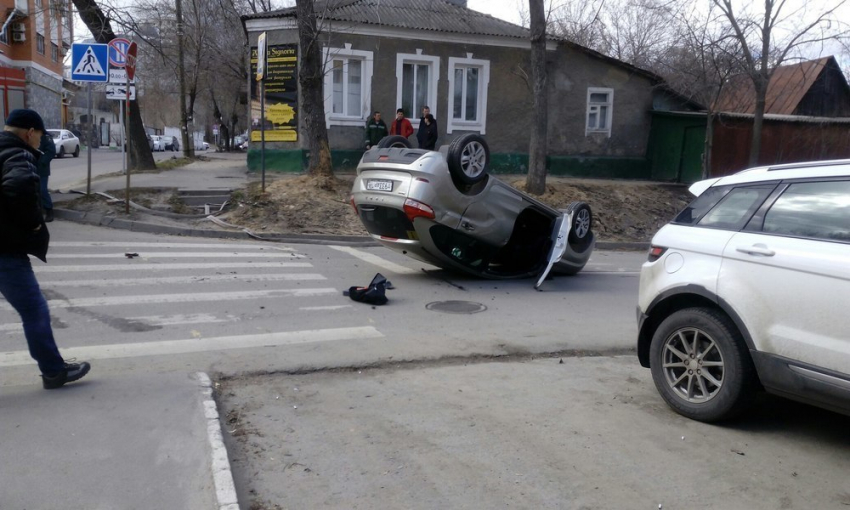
{"points": [[462, 307]]}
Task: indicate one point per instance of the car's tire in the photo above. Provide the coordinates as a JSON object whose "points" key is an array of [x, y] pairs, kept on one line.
{"points": [[61, 153], [77, 151], [682, 348], [394, 141], [468, 158], [580, 230]]}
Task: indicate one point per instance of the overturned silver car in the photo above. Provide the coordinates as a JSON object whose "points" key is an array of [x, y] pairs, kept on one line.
{"points": [[443, 208]]}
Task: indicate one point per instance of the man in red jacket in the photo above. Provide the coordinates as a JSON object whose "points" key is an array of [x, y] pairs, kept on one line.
{"points": [[400, 125]]}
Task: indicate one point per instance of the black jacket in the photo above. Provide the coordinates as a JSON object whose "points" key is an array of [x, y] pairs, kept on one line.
{"points": [[48, 152], [427, 136], [22, 229]]}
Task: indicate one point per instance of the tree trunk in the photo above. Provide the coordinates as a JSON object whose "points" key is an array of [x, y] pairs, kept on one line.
{"points": [[140, 157], [708, 146], [310, 80], [758, 121], [536, 181]]}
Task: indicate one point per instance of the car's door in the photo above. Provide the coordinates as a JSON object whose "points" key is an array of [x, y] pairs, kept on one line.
{"points": [[788, 274], [490, 217]]}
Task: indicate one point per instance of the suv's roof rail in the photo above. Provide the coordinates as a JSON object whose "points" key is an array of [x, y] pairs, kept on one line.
{"points": [[810, 164]]}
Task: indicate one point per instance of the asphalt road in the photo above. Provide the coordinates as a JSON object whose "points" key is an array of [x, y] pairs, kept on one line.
{"points": [[72, 172], [332, 403]]}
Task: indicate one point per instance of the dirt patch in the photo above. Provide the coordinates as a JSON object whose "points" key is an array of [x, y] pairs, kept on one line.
{"points": [[625, 211], [302, 204]]}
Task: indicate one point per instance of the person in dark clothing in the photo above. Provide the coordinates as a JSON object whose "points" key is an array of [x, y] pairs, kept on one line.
{"points": [[400, 125], [375, 130], [427, 134], [23, 232], [420, 135], [48, 152]]}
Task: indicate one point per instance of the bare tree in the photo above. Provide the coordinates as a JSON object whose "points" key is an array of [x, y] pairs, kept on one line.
{"points": [[311, 80], [140, 156], [767, 38], [580, 22], [536, 180]]}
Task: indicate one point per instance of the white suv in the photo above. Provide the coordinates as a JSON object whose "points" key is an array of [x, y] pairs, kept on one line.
{"points": [[747, 288]]}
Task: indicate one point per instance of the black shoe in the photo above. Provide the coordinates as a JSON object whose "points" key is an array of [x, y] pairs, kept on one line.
{"points": [[48, 215], [71, 373]]}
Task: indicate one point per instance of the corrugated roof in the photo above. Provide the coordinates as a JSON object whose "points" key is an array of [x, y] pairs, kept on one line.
{"points": [[787, 87], [434, 15]]}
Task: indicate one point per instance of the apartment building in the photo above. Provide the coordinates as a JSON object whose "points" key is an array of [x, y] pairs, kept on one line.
{"points": [[34, 39]]}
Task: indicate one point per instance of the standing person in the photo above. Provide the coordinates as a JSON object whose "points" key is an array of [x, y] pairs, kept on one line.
{"points": [[22, 232], [426, 111], [376, 129], [427, 134], [48, 152], [401, 126]]}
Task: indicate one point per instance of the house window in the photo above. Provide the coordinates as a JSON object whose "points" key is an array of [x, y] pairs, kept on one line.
{"points": [[468, 82], [416, 77], [39, 43], [348, 85], [54, 52], [600, 107]]}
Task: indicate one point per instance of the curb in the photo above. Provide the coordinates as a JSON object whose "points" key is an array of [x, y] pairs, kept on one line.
{"points": [[100, 220], [225, 489]]}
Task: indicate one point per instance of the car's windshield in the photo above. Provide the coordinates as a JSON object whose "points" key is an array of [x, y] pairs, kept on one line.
{"points": [[55, 133]]}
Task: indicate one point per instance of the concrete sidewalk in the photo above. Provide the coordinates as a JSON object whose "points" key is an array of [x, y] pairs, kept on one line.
{"points": [[136, 442]]}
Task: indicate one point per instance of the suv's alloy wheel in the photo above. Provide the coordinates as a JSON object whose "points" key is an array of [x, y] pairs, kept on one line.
{"points": [[701, 366]]}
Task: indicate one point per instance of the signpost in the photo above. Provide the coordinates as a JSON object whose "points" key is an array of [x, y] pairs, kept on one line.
{"points": [[116, 51], [261, 76], [130, 67], [89, 64]]}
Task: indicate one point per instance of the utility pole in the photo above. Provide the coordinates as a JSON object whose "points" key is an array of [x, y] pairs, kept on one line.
{"points": [[184, 120]]}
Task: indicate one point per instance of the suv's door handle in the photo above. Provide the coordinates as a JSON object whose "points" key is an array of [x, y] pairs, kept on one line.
{"points": [[467, 226], [756, 249]]}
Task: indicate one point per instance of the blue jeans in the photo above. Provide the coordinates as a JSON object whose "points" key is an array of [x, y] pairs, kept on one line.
{"points": [[20, 288]]}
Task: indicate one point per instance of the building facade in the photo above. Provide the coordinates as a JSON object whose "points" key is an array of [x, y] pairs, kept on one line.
{"points": [[35, 37], [473, 71]]}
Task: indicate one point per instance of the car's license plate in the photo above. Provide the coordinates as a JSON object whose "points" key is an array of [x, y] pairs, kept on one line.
{"points": [[375, 185]]}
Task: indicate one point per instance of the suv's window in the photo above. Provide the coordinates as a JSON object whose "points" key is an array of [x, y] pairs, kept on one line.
{"points": [[736, 208], [819, 210], [701, 205]]}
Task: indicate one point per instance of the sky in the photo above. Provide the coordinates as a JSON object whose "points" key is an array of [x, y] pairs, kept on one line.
{"points": [[507, 10]]}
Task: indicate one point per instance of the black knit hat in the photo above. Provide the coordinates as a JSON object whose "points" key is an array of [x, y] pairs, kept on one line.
{"points": [[25, 119]]}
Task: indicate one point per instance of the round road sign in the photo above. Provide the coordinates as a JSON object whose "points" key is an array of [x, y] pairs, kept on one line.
{"points": [[118, 52]]}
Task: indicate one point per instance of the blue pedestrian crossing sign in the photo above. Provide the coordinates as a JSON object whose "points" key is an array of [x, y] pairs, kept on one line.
{"points": [[89, 62]]}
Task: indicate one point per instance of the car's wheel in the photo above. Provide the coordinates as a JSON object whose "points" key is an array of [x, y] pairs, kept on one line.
{"points": [[701, 366], [582, 223], [77, 151], [394, 141], [61, 153], [469, 158]]}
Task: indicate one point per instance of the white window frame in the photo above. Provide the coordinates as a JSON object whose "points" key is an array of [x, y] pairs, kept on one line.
{"points": [[417, 58], [480, 125], [591, 107], [367, 63]]}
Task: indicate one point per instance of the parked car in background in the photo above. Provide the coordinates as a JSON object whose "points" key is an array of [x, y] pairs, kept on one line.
{"points": [[158, 143], [442, 207], [746, 289], [171, 144], [66, 142], [206, 146]]}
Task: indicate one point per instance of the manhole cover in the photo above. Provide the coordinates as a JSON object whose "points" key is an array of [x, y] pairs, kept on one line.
{"points": [[456, 307]]}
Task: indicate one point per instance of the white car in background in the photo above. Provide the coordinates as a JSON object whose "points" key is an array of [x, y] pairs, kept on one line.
{"points": [[65, 141], [158, 143]]}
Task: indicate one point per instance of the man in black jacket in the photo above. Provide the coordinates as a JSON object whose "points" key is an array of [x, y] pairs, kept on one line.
{"points": [[425, 131], [22, 233]]}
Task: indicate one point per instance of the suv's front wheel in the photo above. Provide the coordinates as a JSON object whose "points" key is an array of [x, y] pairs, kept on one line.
{"points": [[701, 366]]}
